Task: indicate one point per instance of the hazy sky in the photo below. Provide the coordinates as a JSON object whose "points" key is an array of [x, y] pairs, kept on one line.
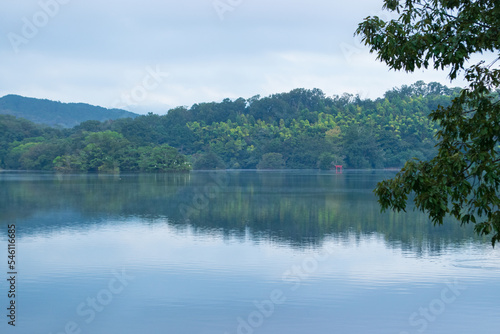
{"points": [[151, 55]]}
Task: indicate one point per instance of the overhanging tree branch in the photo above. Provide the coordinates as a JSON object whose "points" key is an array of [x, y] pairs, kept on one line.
{"points": [[448, 33]]}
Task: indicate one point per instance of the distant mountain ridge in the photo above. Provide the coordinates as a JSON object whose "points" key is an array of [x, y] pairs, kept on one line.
{"points": [[56, 113]]}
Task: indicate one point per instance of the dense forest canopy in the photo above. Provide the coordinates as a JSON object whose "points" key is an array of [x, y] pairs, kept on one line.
{"points": [[299, 129]]}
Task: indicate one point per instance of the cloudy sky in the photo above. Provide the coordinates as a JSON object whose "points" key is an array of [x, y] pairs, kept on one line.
{"points": [[152, 55]]}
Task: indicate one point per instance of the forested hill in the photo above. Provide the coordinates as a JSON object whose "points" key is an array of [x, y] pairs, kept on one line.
{"points": [[299, 129], [56, 113]]}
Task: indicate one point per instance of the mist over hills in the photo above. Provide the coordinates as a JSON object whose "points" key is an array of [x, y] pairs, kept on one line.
{"points": [[57, 114]]}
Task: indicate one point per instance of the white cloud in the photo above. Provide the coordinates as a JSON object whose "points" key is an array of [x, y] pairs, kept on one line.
{"points": [[95, 51]]}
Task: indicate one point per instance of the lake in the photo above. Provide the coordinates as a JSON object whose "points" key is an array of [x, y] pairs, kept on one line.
{"points": [[236, 252]]}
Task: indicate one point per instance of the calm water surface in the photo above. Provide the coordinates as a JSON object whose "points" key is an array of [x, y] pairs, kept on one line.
{"points": [[237, 252]]}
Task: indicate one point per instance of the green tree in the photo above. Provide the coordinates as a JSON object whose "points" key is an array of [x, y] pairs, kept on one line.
{"points": [[68, 163], [208, 161], [103, 150], [463, 178], [271, 161], [326, 161], [361, 148], [41, 156], [163, 158]]}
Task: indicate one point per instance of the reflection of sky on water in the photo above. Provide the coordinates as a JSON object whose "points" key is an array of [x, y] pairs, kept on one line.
{"points": [[191, 281]]}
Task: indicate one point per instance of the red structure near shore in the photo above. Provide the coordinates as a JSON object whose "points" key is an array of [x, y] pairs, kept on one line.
{"points": [[338, 168]]}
